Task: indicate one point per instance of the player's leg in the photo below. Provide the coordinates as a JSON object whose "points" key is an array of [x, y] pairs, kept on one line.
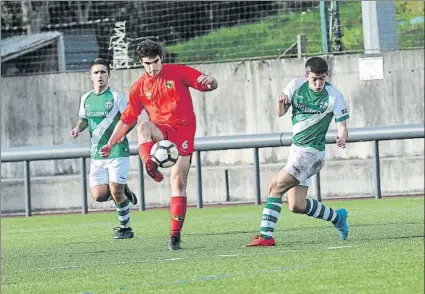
{"points": [[302, 163], [130, 195], [280, 184], [307, 163], [147, 134], [178, 201], [298, 203], [184, 138], [98, 180], [118, 173]]}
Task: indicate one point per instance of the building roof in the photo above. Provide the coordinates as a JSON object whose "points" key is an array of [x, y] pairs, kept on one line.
{"points": [[16, 46]]}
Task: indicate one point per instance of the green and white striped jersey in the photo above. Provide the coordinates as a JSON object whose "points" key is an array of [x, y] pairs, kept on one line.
{"points": [[103, 111], [312, 112]]}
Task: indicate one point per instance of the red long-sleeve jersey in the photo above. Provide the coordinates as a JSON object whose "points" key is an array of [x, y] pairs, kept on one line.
{"points": [[166, 97]]}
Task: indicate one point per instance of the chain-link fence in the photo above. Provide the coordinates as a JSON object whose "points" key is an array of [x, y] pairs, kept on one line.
{"points": [[49, 36]]}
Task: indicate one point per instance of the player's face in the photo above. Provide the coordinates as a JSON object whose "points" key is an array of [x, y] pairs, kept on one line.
{"points": [[152, 65], [99, 75], [316, 81]]}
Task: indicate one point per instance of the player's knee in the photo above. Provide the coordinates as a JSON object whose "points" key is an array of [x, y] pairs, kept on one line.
{"points": [[145, 126], [100, 193], [99, 196], [278, 186]]}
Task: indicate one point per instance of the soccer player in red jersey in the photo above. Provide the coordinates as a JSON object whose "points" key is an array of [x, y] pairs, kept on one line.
{"points": [[163, 92]]}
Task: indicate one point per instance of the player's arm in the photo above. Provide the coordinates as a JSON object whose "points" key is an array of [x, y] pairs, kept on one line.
{"points": [[341, 115], [208, 81], [197, 80], [130, 128], [282, 105], [342, 133], [82, 122], [284, 101], [129, 115], [128, 119], [128, 131], [120, 130]]}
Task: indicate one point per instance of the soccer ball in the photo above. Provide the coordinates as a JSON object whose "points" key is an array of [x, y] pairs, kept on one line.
{"points": [[164, 153]]}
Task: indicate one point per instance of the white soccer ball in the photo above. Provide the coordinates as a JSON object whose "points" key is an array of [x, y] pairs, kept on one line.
{"points": [[164, 153]]}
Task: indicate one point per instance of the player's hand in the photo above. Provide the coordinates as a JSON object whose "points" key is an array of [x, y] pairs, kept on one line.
{"points": [[341, 141], [105, 150], [205, 80], [74, 133], [284, 99]]}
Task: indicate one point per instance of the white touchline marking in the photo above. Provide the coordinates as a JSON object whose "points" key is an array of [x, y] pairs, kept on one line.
{"points": [[171, 259], [340, 247], [228, 255], [64, 267]]}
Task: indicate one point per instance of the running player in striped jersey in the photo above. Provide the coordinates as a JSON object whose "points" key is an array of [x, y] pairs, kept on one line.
{"points": [[100, 110], [314, 103]]}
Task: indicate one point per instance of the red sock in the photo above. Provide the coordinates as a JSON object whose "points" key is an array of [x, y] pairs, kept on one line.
{"points": [[178, 206], [144, 150]]}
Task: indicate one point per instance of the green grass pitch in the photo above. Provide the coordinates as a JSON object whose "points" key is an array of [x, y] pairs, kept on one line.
{"points": [[76, 253]]}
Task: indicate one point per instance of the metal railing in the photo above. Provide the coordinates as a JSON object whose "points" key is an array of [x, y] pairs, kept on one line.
{"points": [[376, 134]]}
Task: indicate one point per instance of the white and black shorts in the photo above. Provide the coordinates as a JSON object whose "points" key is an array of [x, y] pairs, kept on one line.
{"points": [[103, 171], [304, 162]]}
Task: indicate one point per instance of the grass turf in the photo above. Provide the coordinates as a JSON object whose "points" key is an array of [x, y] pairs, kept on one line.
{"points": [[76, 253]]}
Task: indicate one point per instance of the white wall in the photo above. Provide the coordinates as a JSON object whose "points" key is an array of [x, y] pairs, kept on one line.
{"points": [[40, 110]]}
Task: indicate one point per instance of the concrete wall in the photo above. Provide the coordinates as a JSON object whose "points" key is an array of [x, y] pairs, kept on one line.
{"points": [[40, 110]]}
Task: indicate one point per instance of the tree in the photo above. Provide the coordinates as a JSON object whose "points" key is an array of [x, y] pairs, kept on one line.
{"points": [[11, 14]]}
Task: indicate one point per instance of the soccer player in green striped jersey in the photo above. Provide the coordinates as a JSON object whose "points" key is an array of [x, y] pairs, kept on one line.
{"points": [[314, 104], [100, 110]]}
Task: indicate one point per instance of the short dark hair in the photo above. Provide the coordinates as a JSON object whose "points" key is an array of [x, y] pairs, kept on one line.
{"points": [[316, 65], [149, 48], [102, 62]]}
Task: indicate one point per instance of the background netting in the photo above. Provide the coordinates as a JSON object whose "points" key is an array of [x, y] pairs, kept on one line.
{"points": [[196, 31]]}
